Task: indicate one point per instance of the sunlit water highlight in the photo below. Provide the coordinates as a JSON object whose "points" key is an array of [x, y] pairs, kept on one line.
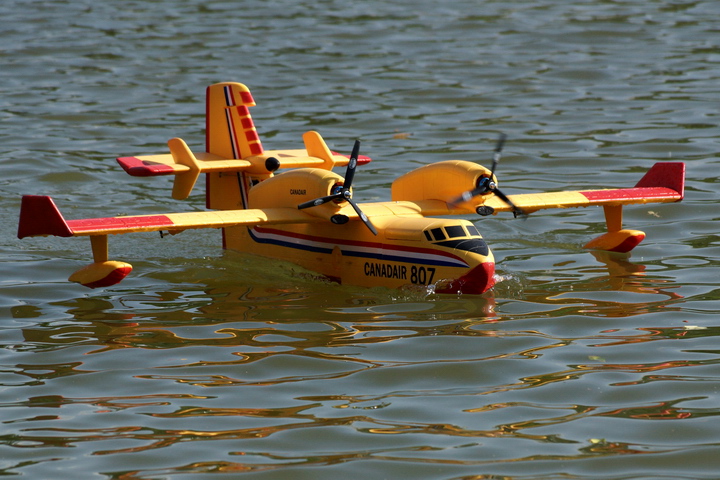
{"points": [[210, 364]]}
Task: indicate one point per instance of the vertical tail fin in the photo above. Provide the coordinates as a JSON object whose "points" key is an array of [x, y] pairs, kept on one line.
{"points": [[230, 131]]}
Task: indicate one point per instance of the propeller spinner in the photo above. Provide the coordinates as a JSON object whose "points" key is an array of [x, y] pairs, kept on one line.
{"points": [[487, 184], [342, 193]]}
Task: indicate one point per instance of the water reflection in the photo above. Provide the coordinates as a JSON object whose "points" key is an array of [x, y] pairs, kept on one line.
{"points": [[248, 365]]}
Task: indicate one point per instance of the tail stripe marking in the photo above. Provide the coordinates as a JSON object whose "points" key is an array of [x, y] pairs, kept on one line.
{"points": [[229, 102], [251, 134], [245, 123], [231, 131], [246, 98]]}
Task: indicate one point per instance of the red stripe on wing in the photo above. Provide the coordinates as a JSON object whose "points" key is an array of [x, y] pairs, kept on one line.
{"points": [[638, 193], [118, 223]]}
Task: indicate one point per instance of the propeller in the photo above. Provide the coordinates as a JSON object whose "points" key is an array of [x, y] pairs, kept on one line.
{"points": [[342, 193], [486, 184]]}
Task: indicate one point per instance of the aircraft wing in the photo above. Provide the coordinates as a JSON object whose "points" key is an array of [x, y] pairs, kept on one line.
{"points": [[531, 202], [663, 183], [39, 216], [165, 164]]}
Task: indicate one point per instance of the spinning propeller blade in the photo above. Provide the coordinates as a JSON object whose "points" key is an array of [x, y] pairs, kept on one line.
{"points": [[496, 154], [486, 184], [343, 193]]}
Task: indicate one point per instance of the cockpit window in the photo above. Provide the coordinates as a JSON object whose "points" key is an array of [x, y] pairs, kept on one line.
{"points": [[457, 238], [451, 231], [455, 231], [473, 230], [438, 234], [474, 245]]}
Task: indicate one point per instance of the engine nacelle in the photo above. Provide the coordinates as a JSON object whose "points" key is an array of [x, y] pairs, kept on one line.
{"points": [[444, 181], [291, 188]]}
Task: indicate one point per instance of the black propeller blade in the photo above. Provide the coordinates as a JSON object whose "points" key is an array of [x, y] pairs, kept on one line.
{"points": [[343, 193], [486, 184]]}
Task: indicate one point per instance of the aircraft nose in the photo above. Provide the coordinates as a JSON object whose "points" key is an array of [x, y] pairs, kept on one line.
{"points": [[478, 280]]}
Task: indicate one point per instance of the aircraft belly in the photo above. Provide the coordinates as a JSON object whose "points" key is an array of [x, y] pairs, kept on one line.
{"points": [[357, 258]]}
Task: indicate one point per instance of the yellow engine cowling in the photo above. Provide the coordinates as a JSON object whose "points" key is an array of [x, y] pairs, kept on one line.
{"points": [[291, 188], [438, 181]]}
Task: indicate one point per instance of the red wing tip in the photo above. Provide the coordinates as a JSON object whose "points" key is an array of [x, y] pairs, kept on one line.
{"points": [[665, 174], [40, 216]]}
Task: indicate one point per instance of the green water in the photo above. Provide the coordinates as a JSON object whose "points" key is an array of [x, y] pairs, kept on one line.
{"points": [[206, 364]]}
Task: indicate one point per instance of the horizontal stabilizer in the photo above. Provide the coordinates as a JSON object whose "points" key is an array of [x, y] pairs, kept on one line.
{"points": [[316, 154], [167, 164], [164, 164], [150, 165]]}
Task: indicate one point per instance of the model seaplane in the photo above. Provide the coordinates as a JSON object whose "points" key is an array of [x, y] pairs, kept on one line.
{"points": [[290, 205]]}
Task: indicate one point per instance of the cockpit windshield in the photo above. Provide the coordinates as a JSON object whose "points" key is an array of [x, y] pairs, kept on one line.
{"points": [[459, 237]]}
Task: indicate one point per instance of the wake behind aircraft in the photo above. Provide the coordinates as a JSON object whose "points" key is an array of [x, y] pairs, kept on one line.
{"points": [[290, 205]]}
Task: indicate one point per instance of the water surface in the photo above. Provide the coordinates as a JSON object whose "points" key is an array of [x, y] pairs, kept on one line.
{"points": [[210, 364]]}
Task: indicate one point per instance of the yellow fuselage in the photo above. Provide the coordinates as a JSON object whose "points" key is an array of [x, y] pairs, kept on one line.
{"points": [[449, 254]]}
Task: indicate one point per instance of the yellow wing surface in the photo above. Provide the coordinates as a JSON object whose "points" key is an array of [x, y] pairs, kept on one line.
{"points": [[446, 181], [663, 183], [40, 216], [435, 189]]}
